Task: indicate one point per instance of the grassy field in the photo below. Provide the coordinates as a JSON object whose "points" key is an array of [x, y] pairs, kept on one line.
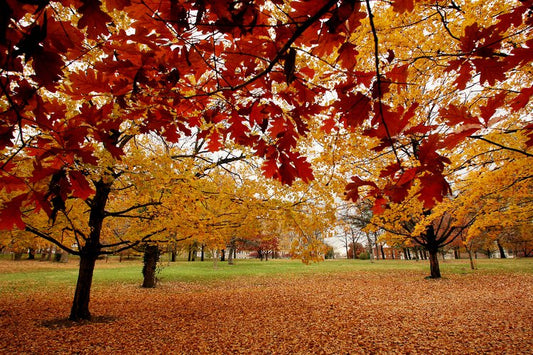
{"points": [[274, 307], [26, 274]]}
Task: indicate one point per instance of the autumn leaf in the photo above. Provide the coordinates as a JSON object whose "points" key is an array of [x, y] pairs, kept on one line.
{"points": [[213, 143], [458, 115], [10, 215], [348, 55], [434, 187], [80, 186], [93, 18], [48, 67], [352, 189], [402, 6], [522, 99]]}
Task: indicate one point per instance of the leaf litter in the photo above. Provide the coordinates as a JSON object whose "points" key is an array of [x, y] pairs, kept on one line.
{"points": [[356, 313]]}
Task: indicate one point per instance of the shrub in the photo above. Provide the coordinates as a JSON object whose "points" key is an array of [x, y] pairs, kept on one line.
{"points": [[364, 255]]}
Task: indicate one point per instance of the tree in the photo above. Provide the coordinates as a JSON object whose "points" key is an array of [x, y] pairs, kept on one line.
{"points": [[116, 196]]}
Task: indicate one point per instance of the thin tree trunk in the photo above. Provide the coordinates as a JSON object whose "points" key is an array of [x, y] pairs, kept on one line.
{"points": [[231, 252], [472, 264], [370, 249], [173, 255], [80, 305], [500, 248]]}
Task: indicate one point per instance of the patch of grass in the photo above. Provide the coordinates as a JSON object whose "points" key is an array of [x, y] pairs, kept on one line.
{"points": [[20, 276]]}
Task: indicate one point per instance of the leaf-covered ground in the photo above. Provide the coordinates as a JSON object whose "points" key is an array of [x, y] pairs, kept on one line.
{"points": [[363, 312]]}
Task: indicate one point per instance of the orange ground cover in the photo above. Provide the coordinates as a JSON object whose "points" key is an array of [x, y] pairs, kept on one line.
{"points": [[364, 312]]}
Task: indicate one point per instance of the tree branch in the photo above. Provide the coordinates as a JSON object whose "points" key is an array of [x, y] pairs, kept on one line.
{"points": [[502, 146], [129, 246], [132, 208], [378, 81], [51, 239]]}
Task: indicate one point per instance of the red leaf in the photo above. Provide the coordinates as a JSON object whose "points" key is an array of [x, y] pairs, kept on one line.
{"points": [[352, 189], [328, 125], [270, 168], [117, 4], [390, 170], [455, 115], [355, 109], [12, 183], [522, 99], [402, 6], [10, 215], [87, 81], [434, 188], [492, 105], [62, 35], [398, 75], [529, 134], [453, 139], [214, 144], [464, 72], [490, 70], [48, 67], [347, 55], [305, 172], [93, 18], [380, 204], [80, 186]]}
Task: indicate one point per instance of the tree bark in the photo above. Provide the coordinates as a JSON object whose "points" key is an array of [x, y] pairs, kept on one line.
{"points": [[173, 255], [231, 253], [90, 252], [151, 257], [472, 264], [434, 264], [80, 305], [500, 248]]}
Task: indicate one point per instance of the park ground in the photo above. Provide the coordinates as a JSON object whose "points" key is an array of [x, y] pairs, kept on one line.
{"points": [[274, 307]]}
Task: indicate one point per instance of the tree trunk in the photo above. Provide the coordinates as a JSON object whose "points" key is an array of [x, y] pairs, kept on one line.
{"points": [[90, 252], [500, 248], [31, 254], [370, 249], [434, 264], [151, 257], [223, 255], [456, 253], [80, 305], [472, 264], [382, 252], [231, 252], [173, 255]]}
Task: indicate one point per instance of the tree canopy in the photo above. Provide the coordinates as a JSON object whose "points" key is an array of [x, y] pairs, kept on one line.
{"points": [[418, 76]]}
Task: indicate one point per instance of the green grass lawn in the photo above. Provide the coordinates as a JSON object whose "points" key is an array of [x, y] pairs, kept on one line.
{"points": [[17, 276]]}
